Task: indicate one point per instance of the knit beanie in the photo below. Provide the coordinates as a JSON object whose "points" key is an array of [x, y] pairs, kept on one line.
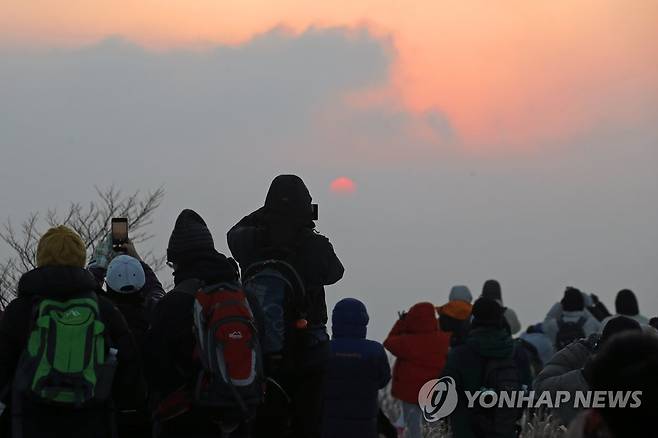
{"points": [[617, 325], [61, 246], [491, 289], [190, 240], [460, 310], [487, 312], [573, 300], [460, 293], [626, 303]]}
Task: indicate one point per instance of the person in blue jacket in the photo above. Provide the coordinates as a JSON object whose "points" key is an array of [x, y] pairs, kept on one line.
{"points": [[358, 368]]}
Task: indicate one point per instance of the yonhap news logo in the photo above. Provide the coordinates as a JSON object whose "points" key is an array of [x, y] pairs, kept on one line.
{"points": [[438, 398]]}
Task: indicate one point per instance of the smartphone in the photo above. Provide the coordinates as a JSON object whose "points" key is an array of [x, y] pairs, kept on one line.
{"points": [[119, 230], [314, 208]]}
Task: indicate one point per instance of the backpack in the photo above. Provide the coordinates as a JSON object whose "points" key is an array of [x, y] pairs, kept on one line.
{"points": [[569, 331], [67, 361], [228, 350], [281, 295], [498, 375]]}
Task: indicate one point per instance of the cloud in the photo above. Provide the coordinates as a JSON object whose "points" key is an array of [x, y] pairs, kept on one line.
{"points": [[216, 125]]}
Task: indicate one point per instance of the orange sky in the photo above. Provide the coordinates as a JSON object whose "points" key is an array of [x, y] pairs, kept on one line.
{"points": [[516, 73]]}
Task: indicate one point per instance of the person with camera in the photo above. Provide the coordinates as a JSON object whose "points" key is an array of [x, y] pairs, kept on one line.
{"points": [[132, 286], [284, 229]]}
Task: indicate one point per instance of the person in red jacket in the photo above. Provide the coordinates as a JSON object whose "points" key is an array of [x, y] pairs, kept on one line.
{"points": [[421, 350]]}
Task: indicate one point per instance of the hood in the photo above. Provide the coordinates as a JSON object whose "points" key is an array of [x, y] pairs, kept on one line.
{"points": [[460, 293], [349, 319], [626, 303], [496, 343], [210, 270], [421, 318], [458, 309], [492, 290], [288, 199], [57, 282]]}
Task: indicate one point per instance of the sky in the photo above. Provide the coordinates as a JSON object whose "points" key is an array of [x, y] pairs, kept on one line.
{"points": [[515, 140]]}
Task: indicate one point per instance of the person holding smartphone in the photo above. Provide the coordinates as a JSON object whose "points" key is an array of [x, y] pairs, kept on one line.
{"points": [[284, 229], [118, 243]]}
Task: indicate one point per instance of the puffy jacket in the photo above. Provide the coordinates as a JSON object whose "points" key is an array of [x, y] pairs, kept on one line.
{"points": [[592, 326], [64, 283], [356, 370], [563, 372], [466, 363], [420, 349]]}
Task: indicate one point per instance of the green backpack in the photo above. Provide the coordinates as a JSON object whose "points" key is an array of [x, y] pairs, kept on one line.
{"points": [[66, 361]]}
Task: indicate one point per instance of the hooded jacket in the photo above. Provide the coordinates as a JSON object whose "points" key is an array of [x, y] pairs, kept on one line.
{"points": [[62, 283], [455, 318], [465, 365], [563, 372], [420, 349], [357, 369], [284, 229], [550, 326]]}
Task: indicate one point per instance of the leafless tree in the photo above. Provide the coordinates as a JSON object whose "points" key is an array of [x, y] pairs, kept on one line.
{"points": [[90, 221]]}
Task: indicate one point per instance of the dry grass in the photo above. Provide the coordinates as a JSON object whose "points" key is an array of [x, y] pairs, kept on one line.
{"points": [[535, 425]]}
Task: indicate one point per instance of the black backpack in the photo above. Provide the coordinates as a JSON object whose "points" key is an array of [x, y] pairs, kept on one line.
{"points": [[569, 331], [282, 297], [498, 375]]}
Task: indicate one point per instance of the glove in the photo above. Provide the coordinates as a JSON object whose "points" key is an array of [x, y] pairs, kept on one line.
{"points": [[103, 253]]}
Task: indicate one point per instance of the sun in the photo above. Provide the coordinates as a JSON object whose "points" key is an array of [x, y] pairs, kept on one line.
{"points": [[342, 186]]}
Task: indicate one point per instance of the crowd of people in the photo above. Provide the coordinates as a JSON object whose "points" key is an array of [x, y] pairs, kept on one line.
{"points": [[239, 347], [580, 346]]}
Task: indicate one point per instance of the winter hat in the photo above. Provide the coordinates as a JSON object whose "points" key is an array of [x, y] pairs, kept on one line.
{"points": [[190, 240], [349, 319], [458, 309], [288, 197], [626, 303], [491, 289], [125, 275], [487, 312], [460, 293], [617, 325], [573, 300], [61, 246]]}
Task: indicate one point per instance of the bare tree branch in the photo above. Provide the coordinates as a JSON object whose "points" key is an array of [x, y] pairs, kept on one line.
{"points": [[92, 223]]}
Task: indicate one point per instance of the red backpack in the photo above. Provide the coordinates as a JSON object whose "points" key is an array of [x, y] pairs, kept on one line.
{"points": [[228, 348]]}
